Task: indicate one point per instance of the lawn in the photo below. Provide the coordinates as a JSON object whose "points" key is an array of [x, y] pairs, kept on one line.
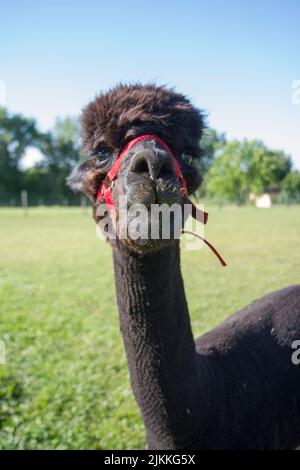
{"points": [[65, 382]]}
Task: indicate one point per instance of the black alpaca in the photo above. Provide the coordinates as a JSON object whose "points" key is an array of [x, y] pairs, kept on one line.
{"points": [[236, 387]]}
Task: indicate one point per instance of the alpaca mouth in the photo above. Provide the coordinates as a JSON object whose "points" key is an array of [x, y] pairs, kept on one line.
{"points": [[139, 226], [150, 192], [151, 227]]}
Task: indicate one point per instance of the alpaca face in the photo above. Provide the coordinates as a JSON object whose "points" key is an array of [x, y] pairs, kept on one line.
{"points": [[146, 175]]}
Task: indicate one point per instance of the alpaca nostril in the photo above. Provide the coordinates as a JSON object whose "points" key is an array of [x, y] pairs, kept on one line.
{"points": [[140, 165], [153, 164], [166, 169]]}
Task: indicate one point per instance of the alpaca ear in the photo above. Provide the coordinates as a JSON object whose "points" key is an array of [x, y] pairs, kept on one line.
{"points": [[87, 177]]}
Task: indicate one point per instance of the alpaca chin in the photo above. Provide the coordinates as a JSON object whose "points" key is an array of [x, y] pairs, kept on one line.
{"points": [[147, 246], [150, 230]]}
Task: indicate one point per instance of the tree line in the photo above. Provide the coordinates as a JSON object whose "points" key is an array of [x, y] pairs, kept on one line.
{"points": [[232, 169], [45, 180], [236, 168]]}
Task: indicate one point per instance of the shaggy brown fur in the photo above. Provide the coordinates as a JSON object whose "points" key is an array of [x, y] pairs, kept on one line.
{"points": [[111, 117], [236, 387]]}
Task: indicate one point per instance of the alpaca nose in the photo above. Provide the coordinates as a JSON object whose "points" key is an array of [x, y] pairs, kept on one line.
{"points": [[155, 164]]}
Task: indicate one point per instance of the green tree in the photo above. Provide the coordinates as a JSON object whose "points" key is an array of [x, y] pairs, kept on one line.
{"points": [[246, 166], [16, 134], [266, 168], [227, 177], [62, 150], [211, 143]]}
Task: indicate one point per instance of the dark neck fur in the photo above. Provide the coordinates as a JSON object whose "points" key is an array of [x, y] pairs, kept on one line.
{"points": [[159, 344]]}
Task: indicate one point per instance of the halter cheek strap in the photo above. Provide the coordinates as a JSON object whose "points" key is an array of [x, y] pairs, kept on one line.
{"points": [[105, 190]]}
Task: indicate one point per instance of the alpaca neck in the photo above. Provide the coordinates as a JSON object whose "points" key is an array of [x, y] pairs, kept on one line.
{"points": [[159, 345]]}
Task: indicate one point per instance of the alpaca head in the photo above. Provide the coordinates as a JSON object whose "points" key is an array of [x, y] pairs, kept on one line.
{"points": [[147, 173]]}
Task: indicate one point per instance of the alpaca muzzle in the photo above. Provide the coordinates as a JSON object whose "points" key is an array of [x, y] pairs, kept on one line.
{"points": [[105, 190]]}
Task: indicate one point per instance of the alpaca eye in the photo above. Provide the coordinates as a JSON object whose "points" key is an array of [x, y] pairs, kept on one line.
{"points": [[187, 158], [103, 154]]}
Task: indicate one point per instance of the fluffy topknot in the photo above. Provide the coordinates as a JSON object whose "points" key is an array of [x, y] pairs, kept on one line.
{"points": [[110, 115]]}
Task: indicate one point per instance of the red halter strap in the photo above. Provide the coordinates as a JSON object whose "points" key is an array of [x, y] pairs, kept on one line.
{"points": [[105, 190]]}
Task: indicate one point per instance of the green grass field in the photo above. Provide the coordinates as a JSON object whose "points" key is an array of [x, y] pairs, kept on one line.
{"points": [[65, 383]]}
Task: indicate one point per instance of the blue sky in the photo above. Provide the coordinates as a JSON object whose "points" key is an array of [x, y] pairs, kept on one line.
{"points": [[235, 59]]}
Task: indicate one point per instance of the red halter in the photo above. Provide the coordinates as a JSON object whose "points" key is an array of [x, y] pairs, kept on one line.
{"points": [[106, 187], [105, 190]]}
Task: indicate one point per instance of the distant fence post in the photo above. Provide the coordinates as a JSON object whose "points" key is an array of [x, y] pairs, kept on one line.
{"points": [[24, 202]]}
